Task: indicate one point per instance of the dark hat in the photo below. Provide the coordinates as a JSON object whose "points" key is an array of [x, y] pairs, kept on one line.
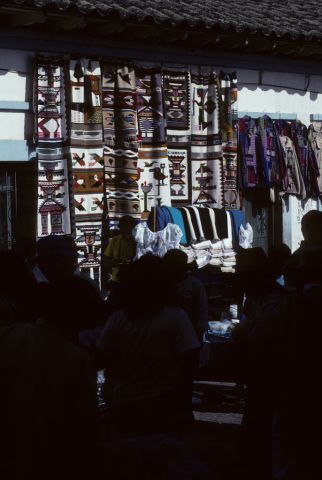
{"points": [[56, 245]]}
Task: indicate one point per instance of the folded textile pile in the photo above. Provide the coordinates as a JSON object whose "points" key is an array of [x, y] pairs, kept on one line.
{"points": [[209, 235]]}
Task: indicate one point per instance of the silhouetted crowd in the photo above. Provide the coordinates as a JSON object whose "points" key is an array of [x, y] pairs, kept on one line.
{"points": [[57, 332]]}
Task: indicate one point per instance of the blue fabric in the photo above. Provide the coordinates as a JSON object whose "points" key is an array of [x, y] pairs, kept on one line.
{"points": [[162, 218], [237, 219], [178, 220], [167, 210]]}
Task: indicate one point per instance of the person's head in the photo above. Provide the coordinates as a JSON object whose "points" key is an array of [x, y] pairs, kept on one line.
{"points": [[253, 272], [147, 287], [71, 304], [176, 261], [126, 225], [278, 255], [57, 256], [311, 226]]}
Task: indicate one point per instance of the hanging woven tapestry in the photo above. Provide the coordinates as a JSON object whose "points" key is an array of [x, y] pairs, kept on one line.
{"points": [[178, 170], [87, 160], [176, 98], [206, 140], [153, 165], [121, 146], [229, 95], [54, 170]]}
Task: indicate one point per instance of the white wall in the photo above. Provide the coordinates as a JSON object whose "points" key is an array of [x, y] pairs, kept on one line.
{"points": [[276, 98], [16, 85]]}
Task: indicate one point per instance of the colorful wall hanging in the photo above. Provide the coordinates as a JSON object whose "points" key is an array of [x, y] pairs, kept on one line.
{"points": [[55, 192], [206, 140], [121, 146], [176, 99], [153, 165], [229, 95], [87, 160]]}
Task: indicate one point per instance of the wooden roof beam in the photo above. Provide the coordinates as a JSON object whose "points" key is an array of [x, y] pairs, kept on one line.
{"points": [[106, 28], [68, 23], [144, 31], [169, 35], [27, 18]]}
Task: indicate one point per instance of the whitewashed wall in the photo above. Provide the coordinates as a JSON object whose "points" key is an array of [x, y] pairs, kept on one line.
{"points": [[16, 85], [277, 98]]}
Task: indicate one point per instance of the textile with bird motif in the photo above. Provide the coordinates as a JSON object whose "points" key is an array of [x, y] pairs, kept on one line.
{"points": [[206, 139], [153, 165], [87, 160], [121, 147]]}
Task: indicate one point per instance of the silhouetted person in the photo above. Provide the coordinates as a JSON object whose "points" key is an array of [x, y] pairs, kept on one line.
{"points": [[150, 350], [311, 227], [122, 249], [192, 295], [57, 260], [263, 296], [278, 256], [12, 279], [287, 349], [48, 392]]}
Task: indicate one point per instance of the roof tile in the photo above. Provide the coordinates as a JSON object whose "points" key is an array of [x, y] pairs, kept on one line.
{"points": [[294, 17]]}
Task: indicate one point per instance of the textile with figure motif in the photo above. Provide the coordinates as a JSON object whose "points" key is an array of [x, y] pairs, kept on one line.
{"points": [[157, 243], [55, 187], [206, 139], [315, 136], [176, 98], [153, 165], [121, 147], [87, 159], [229, 95], [306, 156]]}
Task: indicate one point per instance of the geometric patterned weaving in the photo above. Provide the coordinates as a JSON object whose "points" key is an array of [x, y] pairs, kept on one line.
{"points": [[87, 160], [206, 141], [121, 145], [176, 97], [229, 95], [54, 173], [153, 165]]}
